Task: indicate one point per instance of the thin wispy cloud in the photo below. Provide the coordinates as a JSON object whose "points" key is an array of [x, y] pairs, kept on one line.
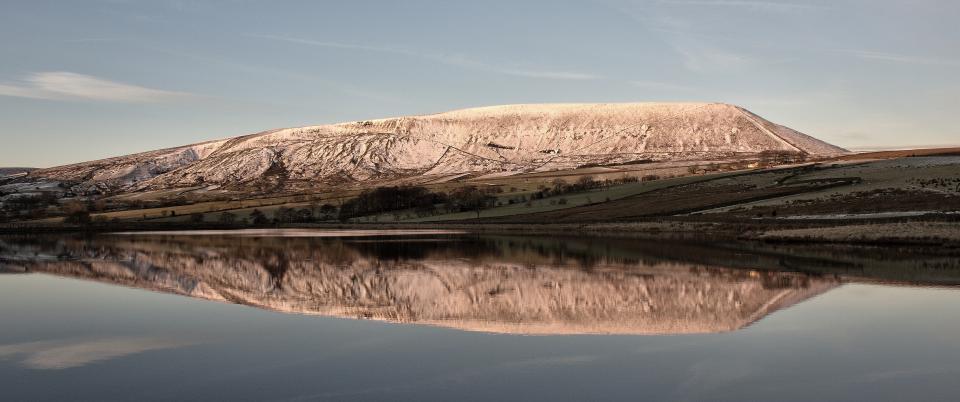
{"points": [[695, 51], [661, 86], [94, 40], [337, 45], [551, 75], [450, 60], [703, 58], [757, 5], [62, 85], [255, 68], [901, 58]]}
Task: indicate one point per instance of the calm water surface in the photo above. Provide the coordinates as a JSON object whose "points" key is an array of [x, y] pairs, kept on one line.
{"points": [[441, 316]]}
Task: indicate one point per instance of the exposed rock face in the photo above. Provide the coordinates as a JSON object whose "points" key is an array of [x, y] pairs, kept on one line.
{"points": [[516, 291], [517, 138]]}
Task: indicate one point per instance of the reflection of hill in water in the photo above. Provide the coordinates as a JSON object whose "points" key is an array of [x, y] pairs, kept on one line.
{"points": [[502, 285]]}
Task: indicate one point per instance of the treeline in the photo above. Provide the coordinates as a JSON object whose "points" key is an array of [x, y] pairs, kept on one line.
{"points": [[584, 183], [386, 199], [32, 206], [310, 214], [399, 201], [422, 201]]}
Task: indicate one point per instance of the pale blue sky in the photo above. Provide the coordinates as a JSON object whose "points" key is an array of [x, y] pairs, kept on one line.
{"points": [[82, 80]]}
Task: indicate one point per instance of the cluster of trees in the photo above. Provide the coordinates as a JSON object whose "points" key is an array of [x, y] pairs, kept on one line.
{"points": [[422, 201], [387, 199], [33, 206], [32, 200], [293, 215], [84, 218], [143, 204], [78, 218], [696, 169], [56, 203], [774, 158], [936, 182], [52, 204], [313, 213], [560, 187], [470, 198], [585, 183]]}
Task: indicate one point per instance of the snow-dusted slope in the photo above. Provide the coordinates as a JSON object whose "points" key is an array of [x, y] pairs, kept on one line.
{"points": [[514, 138]]}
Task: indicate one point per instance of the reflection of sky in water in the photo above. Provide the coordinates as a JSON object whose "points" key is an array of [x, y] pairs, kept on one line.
{"points": [[74, 339], [856, 342], [61, 354]]}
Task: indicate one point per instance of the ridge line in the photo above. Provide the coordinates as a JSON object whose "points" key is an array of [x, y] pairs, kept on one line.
{"points": [[748, 115]]}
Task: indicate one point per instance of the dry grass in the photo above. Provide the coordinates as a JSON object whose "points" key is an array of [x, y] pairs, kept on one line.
{"points": [[900, 154]]}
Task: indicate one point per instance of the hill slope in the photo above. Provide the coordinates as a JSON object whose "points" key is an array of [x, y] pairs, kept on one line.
{"points": [[511, 139]]}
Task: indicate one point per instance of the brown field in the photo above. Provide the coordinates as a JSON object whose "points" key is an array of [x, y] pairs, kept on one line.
{"points": [[876, 201], [901, 153], [674, 201]]}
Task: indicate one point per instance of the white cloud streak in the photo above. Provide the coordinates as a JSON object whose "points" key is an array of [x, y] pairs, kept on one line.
{"points": [[450, 60], [751, 4], [62, 85], [661, 86], [702, 58], [900, 58]]}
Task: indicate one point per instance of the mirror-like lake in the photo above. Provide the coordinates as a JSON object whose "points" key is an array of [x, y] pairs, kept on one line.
{"points": [[416, 315]]}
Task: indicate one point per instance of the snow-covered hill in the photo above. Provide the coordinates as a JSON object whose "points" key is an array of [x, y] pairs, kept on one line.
{"points": [[513, 138]]}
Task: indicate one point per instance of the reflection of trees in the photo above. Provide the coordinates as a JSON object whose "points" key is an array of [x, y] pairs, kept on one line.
{"points": [[910, 264]]}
